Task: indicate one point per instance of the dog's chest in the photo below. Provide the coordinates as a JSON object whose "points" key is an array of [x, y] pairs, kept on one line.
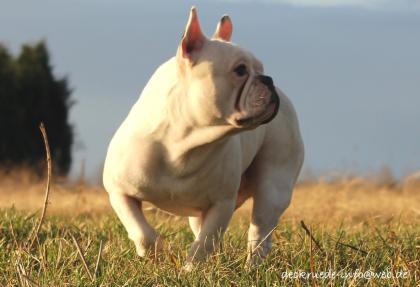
{"points": [[192, 184], [187, 186]]}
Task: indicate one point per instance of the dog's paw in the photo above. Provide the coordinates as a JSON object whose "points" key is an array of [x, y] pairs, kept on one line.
{"points": [[200, 250], [257, 252], [150, 247], [253, 260], [187, 268]]}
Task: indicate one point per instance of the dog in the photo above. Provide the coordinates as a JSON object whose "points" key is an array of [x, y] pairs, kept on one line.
{"points": [[209, 131]]}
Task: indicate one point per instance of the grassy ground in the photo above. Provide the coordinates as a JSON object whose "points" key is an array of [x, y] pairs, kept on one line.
{"points": [[362, 226]]}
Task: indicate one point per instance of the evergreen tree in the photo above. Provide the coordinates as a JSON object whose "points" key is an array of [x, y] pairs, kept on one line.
{"points": [[29, 94]]}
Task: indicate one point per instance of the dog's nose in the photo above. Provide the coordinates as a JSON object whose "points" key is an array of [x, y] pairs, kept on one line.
{"points": [[266, 80]]}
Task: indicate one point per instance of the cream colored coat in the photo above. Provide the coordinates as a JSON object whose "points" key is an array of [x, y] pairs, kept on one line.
{"points": [[181, 149]]}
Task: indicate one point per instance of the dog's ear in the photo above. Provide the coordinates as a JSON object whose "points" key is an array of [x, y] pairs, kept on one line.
{"points": [[224, 29], [193, 39]]}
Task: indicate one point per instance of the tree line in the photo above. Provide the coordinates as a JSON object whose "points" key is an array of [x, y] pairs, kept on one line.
{"points": [[30, 93]]}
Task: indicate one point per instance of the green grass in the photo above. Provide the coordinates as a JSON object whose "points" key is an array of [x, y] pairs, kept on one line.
{"points": [[54, 260]]}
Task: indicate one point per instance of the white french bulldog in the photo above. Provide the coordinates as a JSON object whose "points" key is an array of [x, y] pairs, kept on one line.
{"points": [[209, 131]]}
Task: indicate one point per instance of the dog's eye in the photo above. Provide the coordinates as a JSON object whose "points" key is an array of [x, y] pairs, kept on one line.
{"points": [[241, 70]]}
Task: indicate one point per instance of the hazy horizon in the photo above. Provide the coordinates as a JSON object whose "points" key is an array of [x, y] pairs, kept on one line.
{"points": [[352, 70]]}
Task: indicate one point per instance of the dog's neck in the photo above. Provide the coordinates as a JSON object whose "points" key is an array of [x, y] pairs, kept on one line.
{"points": [[170, 124], [187, 141], [186, 148]]}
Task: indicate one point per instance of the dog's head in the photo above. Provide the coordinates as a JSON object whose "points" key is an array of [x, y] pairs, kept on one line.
{"points": [[224, 83]]}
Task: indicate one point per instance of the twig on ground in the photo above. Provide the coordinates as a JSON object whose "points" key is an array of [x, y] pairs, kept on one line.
{"points": [[310, 236], [82, 257], [383, 239], [338, 240], [12, 230], [47, 189], [311, 257], [353, 247], [59, 252], [98, 260]]}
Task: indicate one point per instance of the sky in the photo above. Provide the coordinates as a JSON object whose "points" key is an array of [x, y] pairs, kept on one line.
{"points": [[384, 5], [351, 67]]}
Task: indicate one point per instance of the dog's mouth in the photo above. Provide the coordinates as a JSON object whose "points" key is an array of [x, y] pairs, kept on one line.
{"points": [[263, 117], [265, 103]]}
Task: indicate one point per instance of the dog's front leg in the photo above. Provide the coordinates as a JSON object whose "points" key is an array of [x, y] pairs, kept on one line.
{"points": [[215, 222], [139, 230], [195, 224]]}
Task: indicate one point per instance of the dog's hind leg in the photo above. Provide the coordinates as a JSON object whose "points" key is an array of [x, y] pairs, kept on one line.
{"points": [[130, 213], [270, 199], [272, 182], [272, 176]]}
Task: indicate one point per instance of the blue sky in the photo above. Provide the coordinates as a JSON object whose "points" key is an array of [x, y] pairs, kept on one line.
{"points": [[352, 68], [389, 5]]}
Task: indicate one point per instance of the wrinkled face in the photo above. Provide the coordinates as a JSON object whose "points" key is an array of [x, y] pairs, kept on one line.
{"points": [[226, 84], [243, 96]]}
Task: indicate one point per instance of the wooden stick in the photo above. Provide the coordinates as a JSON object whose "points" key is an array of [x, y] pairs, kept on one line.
{"points": [[98, 260], [47, 189], [310, 235], [82, 257], [12, 230], [352, 247]]}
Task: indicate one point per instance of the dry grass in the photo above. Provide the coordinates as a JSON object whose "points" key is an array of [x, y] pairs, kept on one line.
{"points": [[357, 224], [24, 191], [356, 200], [325, 202]]}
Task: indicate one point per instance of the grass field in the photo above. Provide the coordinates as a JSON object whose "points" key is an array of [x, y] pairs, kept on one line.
{"points": [[365, 229]]}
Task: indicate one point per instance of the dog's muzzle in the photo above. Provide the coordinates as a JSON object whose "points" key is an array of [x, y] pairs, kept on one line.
{"points": [[270, 110], [274, 99]]}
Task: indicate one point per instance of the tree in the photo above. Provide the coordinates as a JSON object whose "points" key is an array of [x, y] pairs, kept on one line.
{"points": [[29, 94]]}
